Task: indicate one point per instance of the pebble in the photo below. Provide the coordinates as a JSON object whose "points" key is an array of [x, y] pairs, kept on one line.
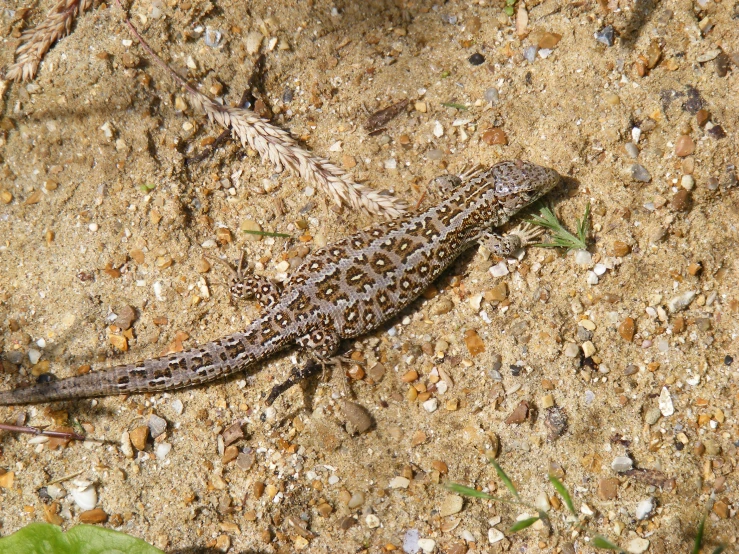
{"points": [[684, 146], [253, 42], [639, 173], [495, 136], [372, 521], [251, 225], [162, 450], [632, 150], [410, 541], [34, 356], [627, 329], [355, 501], [652, 416], [681, 301], [452, 504], [438, 130], [358, 419], [583, 258], [474, 343], [494, 535], [681, 201], [492, 95], [177, 406], [637, 546], [588, 349], [665, 403], [687, 182], [605, 35], [138, 437], [427, 545], [499, 270], [431, 405], [529, 53], [518, 415], [156, 425], [399, 483], [608, 488], [571, 350], [555, 421], [645, 508], [94, 516], [622, 463], [476, 59], [84, 494]]}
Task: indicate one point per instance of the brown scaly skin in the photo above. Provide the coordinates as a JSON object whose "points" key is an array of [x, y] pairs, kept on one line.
{"points": [[341, 291]]}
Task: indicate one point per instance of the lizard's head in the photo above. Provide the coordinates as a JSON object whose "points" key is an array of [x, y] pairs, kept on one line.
{"points": [[518, 184]]}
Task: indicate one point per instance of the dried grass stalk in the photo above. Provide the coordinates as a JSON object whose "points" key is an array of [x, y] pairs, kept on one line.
{"points": [[282, 150], [35, 43], [277, 146]]}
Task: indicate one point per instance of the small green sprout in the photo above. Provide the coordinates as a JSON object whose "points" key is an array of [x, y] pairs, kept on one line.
{"points": [[147, 187], [508, 10], [460, 107], [266, 233], [562, 238]]}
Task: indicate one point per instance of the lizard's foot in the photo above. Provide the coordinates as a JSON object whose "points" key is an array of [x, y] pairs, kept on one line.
{"points": [[527, 233], [296, 376]]}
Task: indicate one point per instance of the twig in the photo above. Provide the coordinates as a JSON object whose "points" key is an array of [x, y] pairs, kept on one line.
{"points": [[36, 431], [35, 43], [281, 149]]}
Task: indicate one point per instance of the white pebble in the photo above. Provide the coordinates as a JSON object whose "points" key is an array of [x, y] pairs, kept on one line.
{"points": [[333, 479], [372, 521], [499, 270], [665, 403], [644, 508], [93, 227], [34, 356], [637, 546], [467, 536], [687, 182], [635, 134], [427, 545], [542, 502], [681, 301], [494, 535], [392, 163], [587, 510], [335, 147], [622, 463], [126, 447], [177, 406], [592, 279], [162, 450], [84, 494], [438, 130], [56, 492], [41, 343], [430, 405], [399, 483], [158, 291], [475, 301], [309, 191], [600, 269], [583, 257], [588, 348]]}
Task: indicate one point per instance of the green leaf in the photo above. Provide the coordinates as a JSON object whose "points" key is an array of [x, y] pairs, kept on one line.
{"points": [[503, 477], [508, 11], [562, 490], [523, 524], [699, 536], [460, 107], [266, 233], [147, 188], [445, 74], [719, 549], [468, 491], [561, 237], [44, 538], [599, 541]]}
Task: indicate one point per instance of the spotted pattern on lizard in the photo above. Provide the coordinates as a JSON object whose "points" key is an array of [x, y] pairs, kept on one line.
{"points": [[341, 291]]}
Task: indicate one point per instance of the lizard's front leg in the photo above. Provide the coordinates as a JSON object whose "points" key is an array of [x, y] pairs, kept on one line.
{"points": [[504, 245]]}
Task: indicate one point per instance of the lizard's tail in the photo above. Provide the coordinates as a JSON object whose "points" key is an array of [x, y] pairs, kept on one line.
{"points": [[208, 362]]}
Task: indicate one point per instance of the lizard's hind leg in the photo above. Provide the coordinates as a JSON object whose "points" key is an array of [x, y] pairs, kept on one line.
{"points": [[244, 284]]}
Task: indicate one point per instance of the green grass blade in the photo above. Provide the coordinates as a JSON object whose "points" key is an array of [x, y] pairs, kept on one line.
{"points": [[719, 549], [503, 477], [599, 541], [561, 237], [523, 524], [460, 107], [583, 225], [468, 491], [266, 233], [699, 536], [562, 490]]}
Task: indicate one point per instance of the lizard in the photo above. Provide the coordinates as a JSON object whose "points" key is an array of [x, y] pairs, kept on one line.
{"points": [[341, 291]]}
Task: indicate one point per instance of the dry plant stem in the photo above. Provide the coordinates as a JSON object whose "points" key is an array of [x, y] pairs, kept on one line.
{"points": [[36, 431], [277, 146], [36, 42]]}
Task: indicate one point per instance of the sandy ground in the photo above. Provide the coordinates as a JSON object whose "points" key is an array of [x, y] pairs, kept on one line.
{"points": [[103, 214]]}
